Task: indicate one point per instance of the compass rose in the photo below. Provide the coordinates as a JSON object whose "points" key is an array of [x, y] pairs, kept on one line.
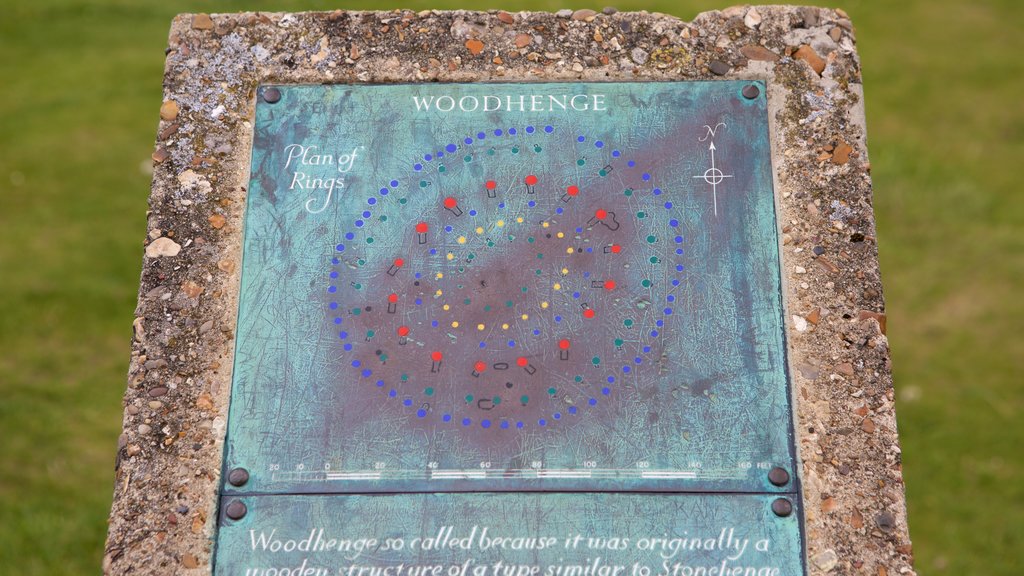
{"points": [[713, 176]]}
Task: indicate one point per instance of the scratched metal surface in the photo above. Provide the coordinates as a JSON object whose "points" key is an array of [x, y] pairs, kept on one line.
{"points": [[625, 334], [678, 535]]}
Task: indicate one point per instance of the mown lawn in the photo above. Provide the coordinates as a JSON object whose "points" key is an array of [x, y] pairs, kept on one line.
{"points": [[78, 110]]}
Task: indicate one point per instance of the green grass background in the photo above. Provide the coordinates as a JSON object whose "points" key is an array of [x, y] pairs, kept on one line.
{"points": [[80, 85]]}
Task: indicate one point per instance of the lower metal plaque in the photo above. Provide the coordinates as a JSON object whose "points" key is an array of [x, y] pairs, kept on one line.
{"points": [[507, 289]]}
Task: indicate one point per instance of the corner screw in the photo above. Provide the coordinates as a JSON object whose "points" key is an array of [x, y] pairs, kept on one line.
{"points": [[238, 477], [777, 476], [272, 95], [751, 91], [236, 510], [782, 507]]}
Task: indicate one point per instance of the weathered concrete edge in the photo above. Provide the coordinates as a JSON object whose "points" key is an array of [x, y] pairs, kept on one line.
{"points": [[169, 457]]}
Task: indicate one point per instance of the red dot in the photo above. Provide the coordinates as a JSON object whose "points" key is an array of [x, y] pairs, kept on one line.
{"points": [[616, 248], [491, 184], [601, 214], [563, 344], [421, 228], [399, 262], [588, 313], [480, 367], [522, 361], [435, 356], [609, 284], [531, 180], [403, 330], [450, 203], [572, 190], [394, 297]]}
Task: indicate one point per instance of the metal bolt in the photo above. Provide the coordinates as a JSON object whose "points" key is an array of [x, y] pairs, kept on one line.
{"points": [[236, 510], [271, 95], [782, 507], [751, 91], [778, 476], [238, 477]]}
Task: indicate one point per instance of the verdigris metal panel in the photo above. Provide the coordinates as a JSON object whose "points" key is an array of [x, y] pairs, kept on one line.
{"points": [[534, 534], [490, 287]]}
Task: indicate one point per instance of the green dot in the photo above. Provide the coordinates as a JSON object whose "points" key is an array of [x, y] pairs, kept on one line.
{"points": [[596, 360], [383, 217], [384, 358], [628, 191], [490, 152], [618, 342], [361, 262], [496, 400], [581, 162], [358, 286], [540, 256], [470, 256], [578, 378], [490, 243], [462, 269], [402, 200], [645, 283], [525, 290], [428, 391], [524, 399], [469, 398], [515, 149], [602, 172], [424, 183], [487, 308], [468, 158], [442, 169], [357, 311], [466, 301], [370, 333], [405, 377], [641, 214], [552, 391], [654, 259], [628, 322], [651, 239], [369, 240], [509, 303], [530, 240], [537, 149]]}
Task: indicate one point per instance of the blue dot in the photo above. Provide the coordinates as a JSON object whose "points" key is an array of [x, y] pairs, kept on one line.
{"points": [[549, 129], [440, 154], [407, 402], [599, 144], [670, 298], [501, 205], [337, 320], [483, 344], [646, 350], [558, 318], [356, 363], [679, 251], [659, 323], [536, 332], [417, 167], [579, 229], [631, 163], [679, 267], [646, 176], [446, 418], [656, 191], [673, 222], [340, 247], [557, 415], [417, 275], [531, 203], [592, 401], [468, 140], [511, 343], [383, 191], [606, 391], [348, 347], [366, 373], [529, 129], [638, 360], [394, 183], [428, 158], [485, 423], [497, 132], [380, 383], [335, 260], [332, 289], [675, 282], [616, 153], [393, 393], [421, 412], [586, 274], [580, 138], [654, 333], [433, 251], [519, 425], [466, 421], [611, 379], [575, 294], [512, 131], [472, 212], [678, 239], [625, 369], [572, 410], [668, 311], [558, 210], [504, 424], [334, 274], [480, 135], [447, 228], [334, 305], [366, 213], [349, 236], [371, 201], [419, 302], [451, 148], [542, 422], [433, 323]]}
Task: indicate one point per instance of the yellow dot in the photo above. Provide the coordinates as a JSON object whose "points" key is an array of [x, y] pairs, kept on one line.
{"points": [[461, 240], [544, 224], [479, 230], [557, 286], [480, 327], [568, 250], [439, 275], [561, 235], [438, 293], [455, 324], [451, 256], [446, 307], [504, 326], [525, 316], [500, 223], [544, 305], [519, 220], [565, 271]]}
